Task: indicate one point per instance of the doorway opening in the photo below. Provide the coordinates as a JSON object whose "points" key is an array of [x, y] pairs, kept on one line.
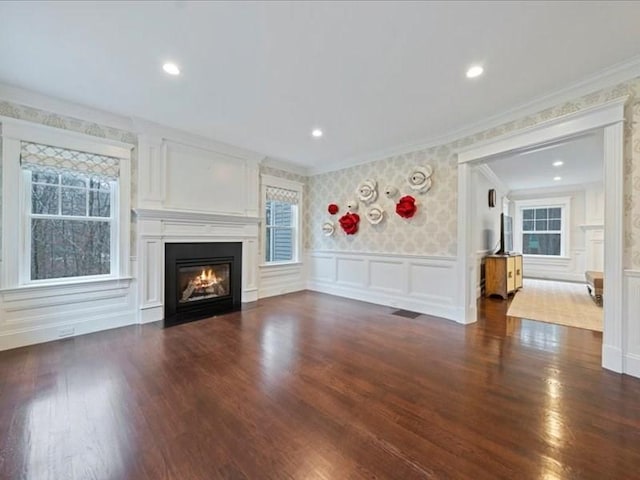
{"points": [[608, 119]]}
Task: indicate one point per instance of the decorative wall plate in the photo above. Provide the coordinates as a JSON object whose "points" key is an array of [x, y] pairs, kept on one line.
{"points": [[420, 179], [375, 214], [390, 191], [367, 191], [328, 229]]}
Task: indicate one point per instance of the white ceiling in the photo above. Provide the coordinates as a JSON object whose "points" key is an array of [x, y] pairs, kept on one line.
{"points": [[582, 159], [374, 75]]}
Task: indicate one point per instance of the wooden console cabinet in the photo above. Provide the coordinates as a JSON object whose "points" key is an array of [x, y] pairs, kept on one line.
{"points": [[503, 274]]}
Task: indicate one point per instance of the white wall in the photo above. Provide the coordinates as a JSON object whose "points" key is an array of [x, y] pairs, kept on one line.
{"points": [[586, 233], [486, 220]]}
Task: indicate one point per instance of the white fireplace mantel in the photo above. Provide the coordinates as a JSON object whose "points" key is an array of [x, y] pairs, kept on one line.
{"points": [[193, 216], [157, 227]]}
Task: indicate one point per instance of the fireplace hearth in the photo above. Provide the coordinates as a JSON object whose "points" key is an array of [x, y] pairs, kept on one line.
{"points": [[201, 280]]}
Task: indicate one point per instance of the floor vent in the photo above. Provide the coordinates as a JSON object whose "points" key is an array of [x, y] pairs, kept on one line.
{"points": [[406, 314]]}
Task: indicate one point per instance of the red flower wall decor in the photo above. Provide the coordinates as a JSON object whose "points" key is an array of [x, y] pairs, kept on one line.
{"points": [[406, 207], [349, 223], [333, 208]]}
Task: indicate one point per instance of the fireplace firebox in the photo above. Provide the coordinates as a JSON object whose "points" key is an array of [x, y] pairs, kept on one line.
{"points": [[201, 280]]}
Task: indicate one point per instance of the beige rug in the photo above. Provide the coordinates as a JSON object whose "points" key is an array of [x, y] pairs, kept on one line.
{"points": [[556, 302]]}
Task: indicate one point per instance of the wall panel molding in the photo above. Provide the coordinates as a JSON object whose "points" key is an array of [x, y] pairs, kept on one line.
{"points": [[631, 364], [418, 283]]}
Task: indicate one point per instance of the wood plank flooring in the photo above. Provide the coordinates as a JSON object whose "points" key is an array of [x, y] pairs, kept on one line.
{"points": [[310, 386]]}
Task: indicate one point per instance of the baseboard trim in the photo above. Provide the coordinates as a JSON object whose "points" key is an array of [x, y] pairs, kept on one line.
{"points": [[559, 277], [632, 365], [448, 312], [49, 333], [249, 295], [281, 289], [151, 314], [612, 358]]}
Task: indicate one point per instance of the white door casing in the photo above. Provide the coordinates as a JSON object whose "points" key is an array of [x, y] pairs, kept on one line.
{"points": [[609, 117]]}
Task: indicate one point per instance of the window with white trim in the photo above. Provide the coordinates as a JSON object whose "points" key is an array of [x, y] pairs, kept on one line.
{"points": [[542, 231], [541, 226], [71, 205], [281, 200]]}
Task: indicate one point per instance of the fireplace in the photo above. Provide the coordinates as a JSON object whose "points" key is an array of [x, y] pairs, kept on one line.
{"points": [[201, 280]]}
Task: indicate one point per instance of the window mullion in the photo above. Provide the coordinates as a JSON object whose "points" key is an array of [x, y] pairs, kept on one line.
{"points": [[59, 194], [86, 200]]}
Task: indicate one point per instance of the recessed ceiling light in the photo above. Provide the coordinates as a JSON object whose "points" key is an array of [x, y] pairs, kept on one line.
{"points": [[171, 68], [558, 163], [316, 132], [475, 71], [557, 178]]}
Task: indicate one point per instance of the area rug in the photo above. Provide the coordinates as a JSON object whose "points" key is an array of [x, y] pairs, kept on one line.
{"points": [[563, 303]]}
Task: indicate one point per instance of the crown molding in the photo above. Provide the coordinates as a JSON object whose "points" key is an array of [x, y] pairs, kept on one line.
{"points": [[182, 137], [490, 175], [608, 77], [135, 125], [615, 74], [58, 106], [528, 193], [286, 166]]}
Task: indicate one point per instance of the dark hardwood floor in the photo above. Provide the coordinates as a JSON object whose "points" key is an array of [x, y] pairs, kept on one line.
{"points": [[309, 386]]}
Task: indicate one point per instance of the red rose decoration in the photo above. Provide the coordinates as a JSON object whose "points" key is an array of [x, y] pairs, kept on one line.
{"points": [[333, 208], [406, 207], [349, 223]]}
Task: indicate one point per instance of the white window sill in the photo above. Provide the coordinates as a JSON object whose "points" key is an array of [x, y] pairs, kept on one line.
{"points": [[547, 258], [280, 264], [76, 285]]}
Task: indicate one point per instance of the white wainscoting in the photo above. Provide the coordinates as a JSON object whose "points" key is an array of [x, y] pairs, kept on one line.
{"points": [[417, 283], [568, 269], [281, 279], [631, 362], [37, 314]]}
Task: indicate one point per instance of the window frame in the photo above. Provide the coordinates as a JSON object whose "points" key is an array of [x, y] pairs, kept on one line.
{"points": [[277, 182], [27, 212], [16, 252], [564, 203]]}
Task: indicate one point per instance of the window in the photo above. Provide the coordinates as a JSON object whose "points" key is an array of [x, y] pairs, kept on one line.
{"points": [[541, 226], [280, 231], [71, 200], [281, 220], [542, 231]]}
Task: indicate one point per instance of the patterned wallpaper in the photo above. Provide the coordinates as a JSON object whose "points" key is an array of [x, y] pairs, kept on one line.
{"points": [[433, 231], [276, 172], [632, 179]]}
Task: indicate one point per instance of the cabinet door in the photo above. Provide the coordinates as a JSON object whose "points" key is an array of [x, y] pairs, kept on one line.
{"points": [[495, 277], [511, 274], [518, 271]]}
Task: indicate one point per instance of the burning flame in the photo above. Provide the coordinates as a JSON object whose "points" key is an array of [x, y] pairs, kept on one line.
{"points": [[206, 279]]}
